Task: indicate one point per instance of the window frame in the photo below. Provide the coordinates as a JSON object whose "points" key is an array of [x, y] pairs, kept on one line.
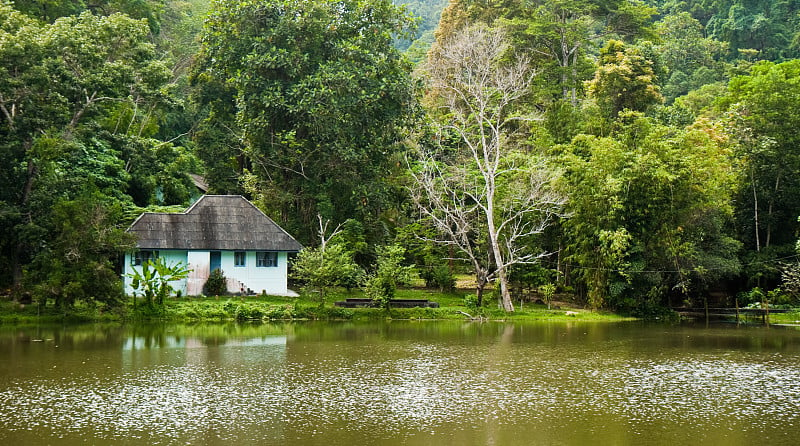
{"points": [[266, 259], [237, 256], [143, 255]]}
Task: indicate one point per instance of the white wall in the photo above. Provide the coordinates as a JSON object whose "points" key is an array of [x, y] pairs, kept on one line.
{"points": [[270, 279], [273, 280]]}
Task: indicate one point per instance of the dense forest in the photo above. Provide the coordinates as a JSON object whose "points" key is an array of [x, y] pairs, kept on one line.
{"points": [[638, 155]]}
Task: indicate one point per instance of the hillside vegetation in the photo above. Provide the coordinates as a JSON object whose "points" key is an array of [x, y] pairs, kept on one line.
{"points": [[636, 155]]}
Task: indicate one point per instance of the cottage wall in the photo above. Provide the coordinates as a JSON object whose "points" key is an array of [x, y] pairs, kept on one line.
{"points": [[199, 271], [272, 280]]}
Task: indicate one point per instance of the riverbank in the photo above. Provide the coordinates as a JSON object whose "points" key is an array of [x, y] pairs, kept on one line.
{"points": [[266, 308]]}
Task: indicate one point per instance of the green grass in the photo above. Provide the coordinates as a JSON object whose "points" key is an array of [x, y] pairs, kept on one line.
{"points": [[785, 318], [306, 307], [15, 313], [451, 306]]}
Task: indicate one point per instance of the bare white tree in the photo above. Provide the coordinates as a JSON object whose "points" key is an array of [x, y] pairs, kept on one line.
{"points": [[488, 196]]}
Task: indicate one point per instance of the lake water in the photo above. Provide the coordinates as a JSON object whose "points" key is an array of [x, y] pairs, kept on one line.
{"points": [[400, 383]]}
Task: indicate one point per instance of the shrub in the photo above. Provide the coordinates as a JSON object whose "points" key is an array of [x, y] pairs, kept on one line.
{"points": [[441, 277], [217, 284], [381, 285], [471, 302]]}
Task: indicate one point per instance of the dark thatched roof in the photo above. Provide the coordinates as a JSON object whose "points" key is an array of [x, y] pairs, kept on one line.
{"points": [[214, 222]]}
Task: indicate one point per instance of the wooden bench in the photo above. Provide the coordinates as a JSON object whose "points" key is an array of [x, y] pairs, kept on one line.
{"points": [[394, 303]]}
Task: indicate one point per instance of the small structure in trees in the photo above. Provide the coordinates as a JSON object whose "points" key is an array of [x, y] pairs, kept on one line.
{"points": [[224, 232]]}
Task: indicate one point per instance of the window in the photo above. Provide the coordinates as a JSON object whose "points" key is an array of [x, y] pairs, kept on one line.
{"points": [[266, 259], [239, 258], [140, 257]]}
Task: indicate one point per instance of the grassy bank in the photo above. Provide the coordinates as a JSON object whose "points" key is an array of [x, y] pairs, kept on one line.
{"points": [[792, 318], [13, 313], [249, 308]]}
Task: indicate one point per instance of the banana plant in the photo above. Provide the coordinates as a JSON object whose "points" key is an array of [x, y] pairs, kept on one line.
{"points": [[155, 277]]}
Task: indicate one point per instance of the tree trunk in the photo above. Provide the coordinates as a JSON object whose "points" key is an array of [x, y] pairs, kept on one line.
{"points": [[574, 97], [16, 267], [480, 279], [16, 261], [559, 270], [769, 210], [505, 294], [755, 209]]}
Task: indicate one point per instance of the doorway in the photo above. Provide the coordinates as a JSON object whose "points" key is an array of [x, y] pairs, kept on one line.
{"points": [[215, 260]]}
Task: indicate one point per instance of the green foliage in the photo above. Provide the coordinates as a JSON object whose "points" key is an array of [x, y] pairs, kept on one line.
{"points": [[77, 265], [318, 97], [352, 238], [560, 35], [650, 213], [427, 14], [323, 268], [216, 284], [382, 284], [154, 277], [439, 276], [624, 80], [50, 10], [693, 59], [767, 27], [432, 259], [80, 102], [471, 302], [548, 290], [761, 115]]}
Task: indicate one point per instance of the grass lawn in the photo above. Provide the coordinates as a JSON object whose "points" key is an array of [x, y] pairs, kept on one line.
{"points": [[451, 306], [305, 307], [785, 318]]}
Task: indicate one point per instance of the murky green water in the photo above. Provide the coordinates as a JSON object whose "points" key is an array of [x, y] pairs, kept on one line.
{"points": [[409, 383]]}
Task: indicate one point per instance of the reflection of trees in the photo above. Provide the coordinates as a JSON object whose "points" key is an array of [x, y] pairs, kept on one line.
{"points": [[80, 337], [39, 350], [208, 334], [152, 336]]}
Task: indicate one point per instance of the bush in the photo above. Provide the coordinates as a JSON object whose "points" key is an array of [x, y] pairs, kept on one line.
{"points": [[217, 284], [471, 302], [441, 277], [381, 285]]}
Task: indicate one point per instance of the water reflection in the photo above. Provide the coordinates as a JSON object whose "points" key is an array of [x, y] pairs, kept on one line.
{"points": [[399, 383]]}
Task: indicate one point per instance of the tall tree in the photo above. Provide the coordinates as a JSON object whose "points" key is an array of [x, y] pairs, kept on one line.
{"points": [[561, 34], [693, 59], [650, 213], [320, 98], [78, 98], [486, 196], [769, 28], [558, 35], [761, 114], [624, 79]]}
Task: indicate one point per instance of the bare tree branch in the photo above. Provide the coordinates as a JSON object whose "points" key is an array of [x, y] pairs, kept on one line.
{"points": [[488, 199]]}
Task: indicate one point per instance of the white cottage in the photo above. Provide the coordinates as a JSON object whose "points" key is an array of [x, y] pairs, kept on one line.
{"points": [[224, 232]]}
